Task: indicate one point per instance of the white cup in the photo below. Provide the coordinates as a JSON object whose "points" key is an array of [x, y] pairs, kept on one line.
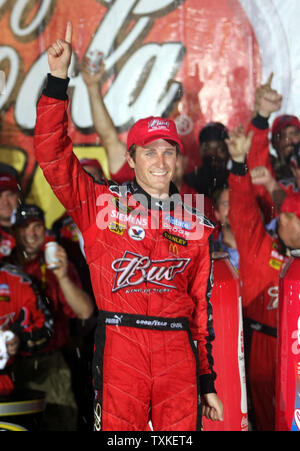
{"points": [[50, 254], [4, 337]]}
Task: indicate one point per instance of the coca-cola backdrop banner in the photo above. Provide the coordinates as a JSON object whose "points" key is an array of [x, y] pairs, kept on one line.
{"points": [[193, 60]]}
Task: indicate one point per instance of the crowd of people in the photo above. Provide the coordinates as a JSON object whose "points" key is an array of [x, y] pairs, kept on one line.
{"points": [[252, 196]]}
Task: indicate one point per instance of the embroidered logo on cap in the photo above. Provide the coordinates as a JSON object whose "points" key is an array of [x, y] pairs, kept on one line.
{"points": [[155, 124]]}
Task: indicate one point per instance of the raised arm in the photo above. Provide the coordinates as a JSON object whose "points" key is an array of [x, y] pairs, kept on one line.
{"points": [[115, 148], [253, 242], [267, 101], [74, 188], [261, 176], [59, 54], [79, 301]]}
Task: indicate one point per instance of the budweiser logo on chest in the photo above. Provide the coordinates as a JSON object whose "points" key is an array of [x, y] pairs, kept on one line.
{"points": [[134, 269]]}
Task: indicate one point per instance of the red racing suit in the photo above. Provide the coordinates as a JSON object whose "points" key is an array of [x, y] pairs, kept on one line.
{"points": [[261, 260], [151, 282], [51, 295], [259, 155], [7, 242], [20, 314]]}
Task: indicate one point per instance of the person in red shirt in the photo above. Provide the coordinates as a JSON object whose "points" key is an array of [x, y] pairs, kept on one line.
{"points": [[261, 259], [22, 322], [153, 298], [285, 134], [10, 195], [61, 289]]}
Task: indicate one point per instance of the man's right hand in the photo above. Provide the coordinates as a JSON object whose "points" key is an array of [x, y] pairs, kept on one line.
{"points": [[239, 144], [89, 78], [59, 54], [267, 100]]}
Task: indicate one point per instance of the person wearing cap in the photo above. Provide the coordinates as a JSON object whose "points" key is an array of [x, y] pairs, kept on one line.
{"points": [[63, 295], [291, 183], [285, 135], [120, 171], [268, 191], [10, 195], [261, 259], [224, 240], [150, 268], [289, 221], [23, 328], [70, 238]]}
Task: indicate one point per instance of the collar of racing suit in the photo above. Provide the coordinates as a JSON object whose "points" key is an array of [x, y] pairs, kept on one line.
{"points": [[151, 203]]}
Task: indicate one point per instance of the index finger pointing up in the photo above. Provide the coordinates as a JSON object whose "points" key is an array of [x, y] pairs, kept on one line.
{"points": [[269, 82], [68, 36]]}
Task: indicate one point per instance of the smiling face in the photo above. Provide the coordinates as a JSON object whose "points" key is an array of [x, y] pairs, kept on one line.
{"points": [[8, 202], [285, 140], [30, 238], [154, 165]]}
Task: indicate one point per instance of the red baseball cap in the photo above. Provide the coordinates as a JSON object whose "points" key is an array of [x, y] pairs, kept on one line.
{"points": [[8, 182], [291, 204], [283, 121], [151, 128]]}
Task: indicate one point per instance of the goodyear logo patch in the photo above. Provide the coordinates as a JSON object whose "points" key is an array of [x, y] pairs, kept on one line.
{"points": [[117, 228], [175, 239]]}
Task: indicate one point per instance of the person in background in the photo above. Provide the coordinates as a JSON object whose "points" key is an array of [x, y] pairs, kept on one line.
{"points": [[224, 241], [285, 135], [70, 238], [22, 323], [10, 196], [212, 174], [261, 259], [61, 288], [291, 183]]}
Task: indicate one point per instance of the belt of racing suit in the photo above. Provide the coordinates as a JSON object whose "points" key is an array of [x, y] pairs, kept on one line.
{"points": [[116, 319], [142, 321], [260, 327], [6, 370]]}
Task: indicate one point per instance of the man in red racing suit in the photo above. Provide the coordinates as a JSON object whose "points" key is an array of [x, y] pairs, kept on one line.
{"points": [[21, 315], [151, 274], [261, 259]]}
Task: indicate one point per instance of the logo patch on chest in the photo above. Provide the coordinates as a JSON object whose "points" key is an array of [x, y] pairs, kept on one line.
{"points": [[136, 233], [116, 227], [175, 239]]}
